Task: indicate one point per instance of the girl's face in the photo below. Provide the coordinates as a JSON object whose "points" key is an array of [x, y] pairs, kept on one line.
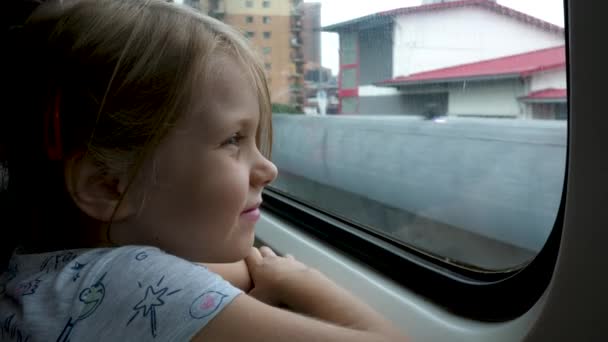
{"points": [[205, 187]]}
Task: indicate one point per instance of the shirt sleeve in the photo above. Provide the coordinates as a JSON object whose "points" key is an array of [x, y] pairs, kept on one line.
{"points": [[151, 295]]}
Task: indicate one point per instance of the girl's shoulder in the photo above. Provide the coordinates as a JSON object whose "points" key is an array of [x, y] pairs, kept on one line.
{"points": [[133, 292]]}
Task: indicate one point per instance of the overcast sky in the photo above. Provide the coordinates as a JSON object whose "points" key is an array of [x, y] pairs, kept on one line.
{"points": [[335, 11]]}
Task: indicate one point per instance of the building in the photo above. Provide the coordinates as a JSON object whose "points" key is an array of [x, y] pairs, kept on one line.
{"points": [[274, 28], [311, 32], [527, 85], [396, 62]]}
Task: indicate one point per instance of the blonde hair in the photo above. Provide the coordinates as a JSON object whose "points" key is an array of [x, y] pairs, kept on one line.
{"points": [[125, 70]]}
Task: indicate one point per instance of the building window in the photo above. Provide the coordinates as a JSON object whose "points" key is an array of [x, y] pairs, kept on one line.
{"points": [[249, 3], [249, 19], [266, 35], [250, 34], [266, 50], [266, 4], [266, 20], [268, 66]]}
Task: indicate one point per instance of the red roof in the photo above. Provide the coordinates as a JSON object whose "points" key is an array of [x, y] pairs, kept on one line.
{"points": [[547, 94], [520, 65], [485, 4]]}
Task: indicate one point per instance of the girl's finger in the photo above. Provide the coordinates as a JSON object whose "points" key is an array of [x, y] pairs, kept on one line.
{"points": [[254, 257], [267, 252]]}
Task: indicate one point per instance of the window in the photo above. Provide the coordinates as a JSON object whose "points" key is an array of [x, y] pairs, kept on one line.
{"points": [[249, 3], [250, 34], [266, 4], [417, 147], [249, 19]]}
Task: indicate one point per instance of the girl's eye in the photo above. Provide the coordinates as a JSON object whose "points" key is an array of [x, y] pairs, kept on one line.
{"points": [[235, 140]]}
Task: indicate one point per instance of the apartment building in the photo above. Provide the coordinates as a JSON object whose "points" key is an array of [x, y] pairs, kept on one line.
{"points": [[275, 29]]}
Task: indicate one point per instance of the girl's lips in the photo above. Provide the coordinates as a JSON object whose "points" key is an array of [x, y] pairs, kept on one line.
{"points": [[251, 214]]}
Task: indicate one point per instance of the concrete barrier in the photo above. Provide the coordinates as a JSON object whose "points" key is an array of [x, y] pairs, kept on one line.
{"points": [[499, 178]]}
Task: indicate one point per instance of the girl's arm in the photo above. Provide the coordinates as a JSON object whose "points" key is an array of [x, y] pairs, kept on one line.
{"points": [[322, 311], [235, 273]]}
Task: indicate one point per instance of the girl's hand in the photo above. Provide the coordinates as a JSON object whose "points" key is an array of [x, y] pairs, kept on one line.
{"points": [[270, 273]]}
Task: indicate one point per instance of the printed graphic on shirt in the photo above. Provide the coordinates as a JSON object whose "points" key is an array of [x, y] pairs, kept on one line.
{"points": [[27, 288], [141, 256], [9, 331], [10, 274], [153, 298], [53, 262], [206, 304], [91, 297], [76, 268]]}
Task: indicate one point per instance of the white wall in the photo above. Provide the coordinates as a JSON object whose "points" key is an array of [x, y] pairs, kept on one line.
{"points": [[442, 38], [489, 98], [548, 79]]}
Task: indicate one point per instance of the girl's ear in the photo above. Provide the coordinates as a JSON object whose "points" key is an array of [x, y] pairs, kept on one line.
{"points": [[96, 191]]}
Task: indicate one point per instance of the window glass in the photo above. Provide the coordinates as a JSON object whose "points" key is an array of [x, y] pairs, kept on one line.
{"points": [[250, 34], [266, 35], [446, 132], [249, 19]]}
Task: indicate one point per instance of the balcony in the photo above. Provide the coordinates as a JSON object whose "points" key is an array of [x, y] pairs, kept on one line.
{"points": [[298, 58], [295, 42], [296, 26], [296, 13], [295, 88]]}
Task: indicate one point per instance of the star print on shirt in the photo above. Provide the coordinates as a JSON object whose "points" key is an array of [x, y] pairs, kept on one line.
{"points": [[153, 298]]}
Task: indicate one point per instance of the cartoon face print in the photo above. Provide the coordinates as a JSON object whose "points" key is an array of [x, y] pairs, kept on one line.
{"points": [[91, 297], [206, 304]]}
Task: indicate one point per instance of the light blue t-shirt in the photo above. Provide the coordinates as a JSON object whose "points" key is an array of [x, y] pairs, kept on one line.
{"points": [[131, 293]]}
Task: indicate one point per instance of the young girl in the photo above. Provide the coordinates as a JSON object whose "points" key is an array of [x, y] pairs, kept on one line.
{"points": [[137, 136]]}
